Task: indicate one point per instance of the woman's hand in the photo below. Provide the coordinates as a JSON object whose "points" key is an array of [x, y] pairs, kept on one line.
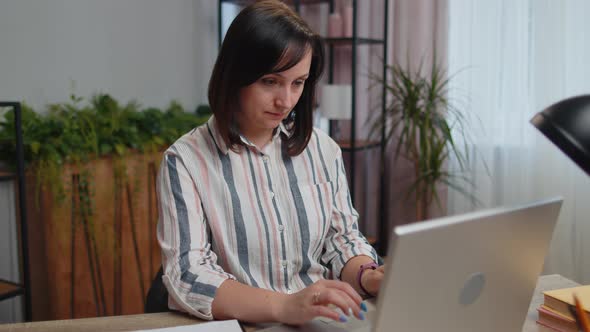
{"points": [[371, 279], [314, 301]]}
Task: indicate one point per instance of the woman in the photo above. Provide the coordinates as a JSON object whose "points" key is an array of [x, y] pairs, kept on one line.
{"points": [[256, 221]]}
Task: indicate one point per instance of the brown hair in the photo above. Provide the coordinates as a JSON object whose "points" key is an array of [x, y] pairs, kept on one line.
{"points": [[266, 37]]}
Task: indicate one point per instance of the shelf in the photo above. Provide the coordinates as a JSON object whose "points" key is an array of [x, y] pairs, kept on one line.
{"points": [[289, 2], [7, 176], [359, 145], [9, 289], [349, 40]]}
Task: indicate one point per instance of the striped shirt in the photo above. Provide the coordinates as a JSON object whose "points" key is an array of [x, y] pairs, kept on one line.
{"points": [[260, 217]]}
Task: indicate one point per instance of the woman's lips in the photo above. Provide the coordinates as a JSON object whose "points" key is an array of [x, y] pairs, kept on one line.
{"points": [[275, 115]]}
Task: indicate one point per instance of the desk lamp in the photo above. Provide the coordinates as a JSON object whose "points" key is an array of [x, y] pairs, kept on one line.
{"points": [[567, 124]]}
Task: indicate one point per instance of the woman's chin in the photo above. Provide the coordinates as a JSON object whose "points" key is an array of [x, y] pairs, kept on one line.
{"points": [[272, 123]]}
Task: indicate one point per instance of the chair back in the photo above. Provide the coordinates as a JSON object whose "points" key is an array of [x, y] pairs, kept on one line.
{"points": [[157, 296]]}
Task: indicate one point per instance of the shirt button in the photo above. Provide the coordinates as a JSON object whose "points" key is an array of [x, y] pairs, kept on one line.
{"points": [[265, 159], [285, 263], [281, 228], [272, 195], [289, 291]]}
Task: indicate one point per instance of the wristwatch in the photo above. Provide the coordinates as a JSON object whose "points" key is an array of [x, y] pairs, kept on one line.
{"points": [[372, 266]]}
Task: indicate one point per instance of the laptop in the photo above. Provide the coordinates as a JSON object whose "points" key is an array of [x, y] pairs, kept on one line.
{"points": [[470, 272]]}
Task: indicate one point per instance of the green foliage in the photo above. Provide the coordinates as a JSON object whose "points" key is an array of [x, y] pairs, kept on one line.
{"points": [[421, 121], [203, 110], [76, 132]]}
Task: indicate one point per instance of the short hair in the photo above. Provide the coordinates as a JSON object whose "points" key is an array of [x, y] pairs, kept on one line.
{"points": [[266, 37]]}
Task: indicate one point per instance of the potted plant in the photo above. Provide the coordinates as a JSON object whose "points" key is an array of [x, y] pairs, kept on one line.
{"points": [[421, 123], [91, 170]]}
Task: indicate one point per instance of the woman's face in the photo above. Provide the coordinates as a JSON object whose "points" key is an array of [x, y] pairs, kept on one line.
{"points": [[269, 100]]}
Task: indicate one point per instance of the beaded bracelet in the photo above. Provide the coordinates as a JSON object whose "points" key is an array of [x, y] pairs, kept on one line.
{"points": [[372, 266]]}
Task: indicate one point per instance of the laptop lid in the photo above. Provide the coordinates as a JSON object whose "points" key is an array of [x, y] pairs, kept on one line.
{"points": [[471, 272]]}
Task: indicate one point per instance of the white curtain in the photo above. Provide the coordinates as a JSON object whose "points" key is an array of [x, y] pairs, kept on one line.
{"points": [[511, 59]]}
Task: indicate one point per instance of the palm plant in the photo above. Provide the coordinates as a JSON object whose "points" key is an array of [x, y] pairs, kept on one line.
{"points": [[421, 122]]}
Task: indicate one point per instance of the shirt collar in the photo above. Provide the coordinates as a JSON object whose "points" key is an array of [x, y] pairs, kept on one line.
{"points": [[211, 125]]}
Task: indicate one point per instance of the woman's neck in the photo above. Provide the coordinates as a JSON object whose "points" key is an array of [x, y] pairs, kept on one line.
{"points": [[259, 138]]}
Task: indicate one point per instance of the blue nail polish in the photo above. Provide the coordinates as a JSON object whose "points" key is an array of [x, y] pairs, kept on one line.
{"points": [[343, 319], [364, 306], [361, 316]]}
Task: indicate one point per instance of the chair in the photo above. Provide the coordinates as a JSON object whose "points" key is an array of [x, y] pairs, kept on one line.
{"points": [[10, 289], [157, 296]]}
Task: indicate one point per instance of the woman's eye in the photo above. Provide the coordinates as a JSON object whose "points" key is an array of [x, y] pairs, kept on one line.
{"points": [[269, 81], [299, 82]]}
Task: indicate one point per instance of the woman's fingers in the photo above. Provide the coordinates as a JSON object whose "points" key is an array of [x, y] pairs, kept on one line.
{"points": [[343, 287], [339, 299], [321, 299], [323, 311], [340, 296]]}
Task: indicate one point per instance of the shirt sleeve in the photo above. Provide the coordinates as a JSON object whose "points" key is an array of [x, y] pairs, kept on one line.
{"points": [[344, 240], [191, 273]]}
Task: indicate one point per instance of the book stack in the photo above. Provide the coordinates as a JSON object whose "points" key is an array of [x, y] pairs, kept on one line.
{"points": [[558, 310]]}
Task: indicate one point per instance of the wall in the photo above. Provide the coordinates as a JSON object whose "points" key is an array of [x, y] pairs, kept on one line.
{"points": [[146, 49], [149, 50]]}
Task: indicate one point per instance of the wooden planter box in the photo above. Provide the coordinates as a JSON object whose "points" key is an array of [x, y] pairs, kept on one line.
{"points": [[97, 266]]}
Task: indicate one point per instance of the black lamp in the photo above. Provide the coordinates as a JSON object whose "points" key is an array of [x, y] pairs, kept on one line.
{"points": [[567, 125]]}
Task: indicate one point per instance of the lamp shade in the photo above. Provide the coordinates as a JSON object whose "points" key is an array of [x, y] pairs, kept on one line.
{"points": [[567, 125]]}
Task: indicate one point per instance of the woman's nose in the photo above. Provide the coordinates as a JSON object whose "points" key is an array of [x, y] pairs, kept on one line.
{"points": [[284, 98]]}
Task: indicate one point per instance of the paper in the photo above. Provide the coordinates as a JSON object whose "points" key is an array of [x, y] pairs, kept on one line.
{"points": [[216, 326]]}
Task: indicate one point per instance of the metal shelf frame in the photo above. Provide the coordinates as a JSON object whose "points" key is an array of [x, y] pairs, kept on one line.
{"points": [[25, 288], [354, 146]]}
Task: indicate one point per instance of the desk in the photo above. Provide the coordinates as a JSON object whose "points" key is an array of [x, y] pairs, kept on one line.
{"points": [[168, 319]]}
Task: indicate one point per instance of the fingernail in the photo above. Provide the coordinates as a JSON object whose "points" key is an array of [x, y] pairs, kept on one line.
{"points": [[361, 315], [350, 313], [364, 306], [343, 319]]}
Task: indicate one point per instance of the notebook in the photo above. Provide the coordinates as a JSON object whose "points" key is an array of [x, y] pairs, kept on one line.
{"points": [[470, 272]]}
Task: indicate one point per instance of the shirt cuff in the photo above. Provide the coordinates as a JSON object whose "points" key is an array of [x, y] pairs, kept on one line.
{"points": [[195, 303], [351, 251]]}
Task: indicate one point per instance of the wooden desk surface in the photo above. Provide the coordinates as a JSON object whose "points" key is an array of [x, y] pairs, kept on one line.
{"points": [[169, 319]]}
